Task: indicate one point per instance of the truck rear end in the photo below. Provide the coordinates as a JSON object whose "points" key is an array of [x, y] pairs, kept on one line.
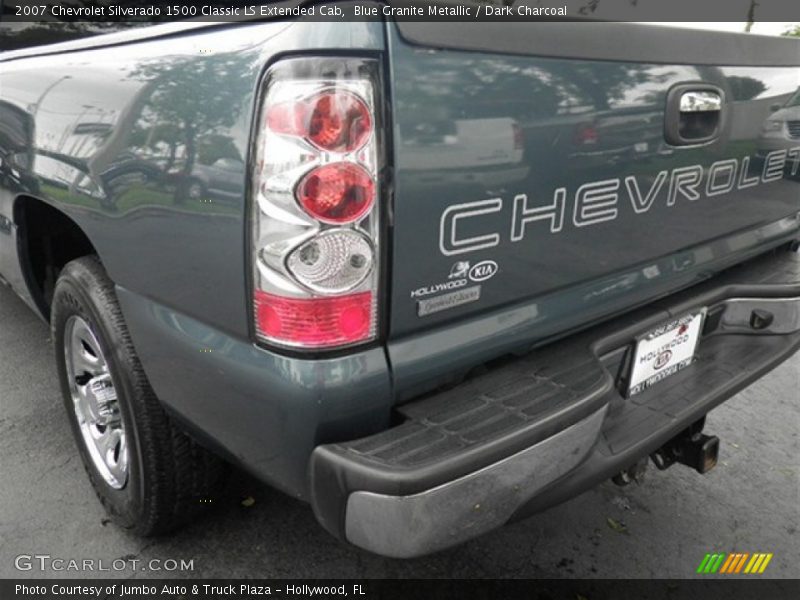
{"points": [[458, 273], [563, 299]]}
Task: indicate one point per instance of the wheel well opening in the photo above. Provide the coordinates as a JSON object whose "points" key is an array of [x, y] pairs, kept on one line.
{"points": [[48, 240]]}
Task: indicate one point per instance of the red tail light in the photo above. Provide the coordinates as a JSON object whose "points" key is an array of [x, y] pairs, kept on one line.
{"points": [[337, 193], [316, 211], [519, 137], [337, 121], [586, 134], [315, 322]]}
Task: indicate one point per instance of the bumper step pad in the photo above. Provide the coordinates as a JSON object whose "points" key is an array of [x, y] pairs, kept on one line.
{"points": [[529, 432]]}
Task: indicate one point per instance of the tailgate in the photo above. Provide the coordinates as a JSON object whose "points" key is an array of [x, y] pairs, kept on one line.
{"points": [[541, 190]]}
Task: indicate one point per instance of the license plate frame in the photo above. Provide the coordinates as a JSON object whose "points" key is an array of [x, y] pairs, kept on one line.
{"points": [[665, 350]]}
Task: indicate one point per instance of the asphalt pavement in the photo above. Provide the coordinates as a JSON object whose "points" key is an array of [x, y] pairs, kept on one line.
{"points": [[662, 527]]}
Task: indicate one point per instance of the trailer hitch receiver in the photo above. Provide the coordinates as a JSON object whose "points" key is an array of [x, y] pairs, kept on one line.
{"points": [[691, 448]]}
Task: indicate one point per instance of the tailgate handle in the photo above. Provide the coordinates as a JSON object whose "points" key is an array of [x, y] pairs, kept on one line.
{"points": [[693, 114], [696, 101]]}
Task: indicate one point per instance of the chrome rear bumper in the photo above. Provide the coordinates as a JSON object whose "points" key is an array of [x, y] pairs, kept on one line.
{"points": [[407, 526]]}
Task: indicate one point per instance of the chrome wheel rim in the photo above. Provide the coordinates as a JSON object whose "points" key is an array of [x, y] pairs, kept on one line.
{"points": [[94, 399], [195, 191]]}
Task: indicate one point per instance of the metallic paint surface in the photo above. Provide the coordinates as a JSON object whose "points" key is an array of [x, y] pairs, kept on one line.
{"points": [[550, 283], [114, 138]]}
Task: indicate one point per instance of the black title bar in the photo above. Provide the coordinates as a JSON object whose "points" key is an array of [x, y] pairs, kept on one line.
{"points": [[414, 10], [733, 588]]}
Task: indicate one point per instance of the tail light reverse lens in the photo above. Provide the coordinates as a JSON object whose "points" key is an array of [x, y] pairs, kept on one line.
{"points": [[336, 261]]}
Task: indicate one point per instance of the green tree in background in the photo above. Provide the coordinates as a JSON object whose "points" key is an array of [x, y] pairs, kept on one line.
{"points": [[194, 96], [745, 88]]}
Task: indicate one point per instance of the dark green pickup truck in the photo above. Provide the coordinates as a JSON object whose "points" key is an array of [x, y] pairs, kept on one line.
{"points": [[429, 278]]}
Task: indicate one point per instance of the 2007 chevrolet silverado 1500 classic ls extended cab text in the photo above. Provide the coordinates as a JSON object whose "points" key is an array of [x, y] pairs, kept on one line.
{"points": [[429, 278]]}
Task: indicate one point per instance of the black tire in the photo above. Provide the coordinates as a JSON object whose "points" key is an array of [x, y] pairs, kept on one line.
{"points": [[170, 479]]}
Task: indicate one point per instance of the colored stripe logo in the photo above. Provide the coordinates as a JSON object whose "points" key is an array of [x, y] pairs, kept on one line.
{"points": [[735, 563]]}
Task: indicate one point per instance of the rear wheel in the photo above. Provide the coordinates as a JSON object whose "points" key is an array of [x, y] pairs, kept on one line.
{"points": [[150, 476], [95, 402], [195, 190]]}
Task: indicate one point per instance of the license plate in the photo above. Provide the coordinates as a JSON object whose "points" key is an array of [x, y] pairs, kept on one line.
{"points": [[665, 351]]}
